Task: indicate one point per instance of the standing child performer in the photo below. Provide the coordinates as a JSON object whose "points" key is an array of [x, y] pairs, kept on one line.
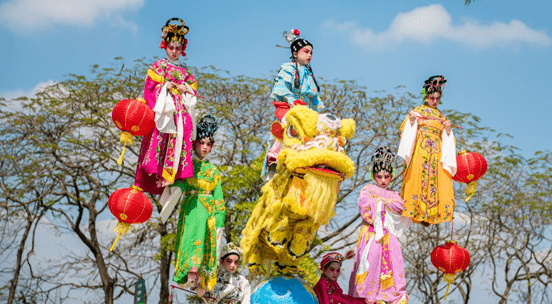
{"points": [[429, 150], [295, 84], [378, 272], [170, 88], [327, 289], [202, 214], [231, 288]]}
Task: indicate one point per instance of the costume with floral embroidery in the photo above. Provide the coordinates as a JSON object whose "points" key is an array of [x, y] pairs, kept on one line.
{"points": [[430, 157], [378, 271], [329, 292], [202, 212], [231, 288], [156, 161], [284, 89]]}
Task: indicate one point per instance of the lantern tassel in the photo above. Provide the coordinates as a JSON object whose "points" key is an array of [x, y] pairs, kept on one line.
{"points": [[471, 187], [122, 229], [446, 293], [126, 139]]}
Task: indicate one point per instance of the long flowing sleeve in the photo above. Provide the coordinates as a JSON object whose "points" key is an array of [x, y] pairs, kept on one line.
{"points": [[448, 155], [364, 206], [246, 288], [408, 139]]}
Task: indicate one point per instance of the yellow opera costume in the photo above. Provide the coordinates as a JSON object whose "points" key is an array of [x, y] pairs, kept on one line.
{"points": [[302, 194], [430, 163]]}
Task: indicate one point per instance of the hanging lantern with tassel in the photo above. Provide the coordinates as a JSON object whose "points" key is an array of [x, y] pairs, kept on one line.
{"points": [[471, 166], [134, 118], [129, 206], [450, 259]]}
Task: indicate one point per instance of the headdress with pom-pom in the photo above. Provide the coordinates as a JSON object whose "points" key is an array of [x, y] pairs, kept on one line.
{"points": [[174, 32], [207, 127], [335, 257]]}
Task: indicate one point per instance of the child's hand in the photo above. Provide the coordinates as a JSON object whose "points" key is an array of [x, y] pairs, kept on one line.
{"points": [[412, 117], [181, 88], [447, 126], [170, 85], [350, 254], [200, 292]]}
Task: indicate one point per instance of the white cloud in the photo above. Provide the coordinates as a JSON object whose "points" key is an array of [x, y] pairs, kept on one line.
{"points": [[429, 23], [24, 16], [30, 93]]}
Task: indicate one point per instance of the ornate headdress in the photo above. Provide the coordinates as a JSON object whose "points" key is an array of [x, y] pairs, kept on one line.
{"points": [[229, 249], [335, 257], [295, 41], [383, 159], [174, 32], [206, 127], [433, 84]]}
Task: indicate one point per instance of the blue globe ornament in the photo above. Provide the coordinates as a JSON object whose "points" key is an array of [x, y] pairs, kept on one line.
{"points": [[283, 290]]}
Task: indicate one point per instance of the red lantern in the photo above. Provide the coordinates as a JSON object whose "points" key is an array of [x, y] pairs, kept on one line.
{"points": [[450, 259], [133, 117], [470, 167], [129, 206]]}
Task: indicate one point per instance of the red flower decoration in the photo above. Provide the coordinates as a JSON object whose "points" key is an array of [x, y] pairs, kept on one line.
{"points": [[296, 32], [163, 45]]}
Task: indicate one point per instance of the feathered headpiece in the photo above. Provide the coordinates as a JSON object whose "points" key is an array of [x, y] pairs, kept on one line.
{"points": [[174, 32], [383, 159], [206, 127], [433, 84]]}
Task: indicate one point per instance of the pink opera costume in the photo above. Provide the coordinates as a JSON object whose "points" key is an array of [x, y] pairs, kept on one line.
{"points": [[378, 271], [165, 154]]}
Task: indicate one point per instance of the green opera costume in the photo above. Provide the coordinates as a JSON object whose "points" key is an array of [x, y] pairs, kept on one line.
{"points": [[202, 212]]}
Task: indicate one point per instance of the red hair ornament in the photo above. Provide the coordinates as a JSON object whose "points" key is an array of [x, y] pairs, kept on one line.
{"points": [[450, 259], [471, 166]]}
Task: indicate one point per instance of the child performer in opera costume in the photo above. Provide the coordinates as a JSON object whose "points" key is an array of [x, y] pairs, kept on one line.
{"points": [[327, 289], [231, 288], [165, 154], [378, 272], [202, 214], [429, 150], [295, 84]]}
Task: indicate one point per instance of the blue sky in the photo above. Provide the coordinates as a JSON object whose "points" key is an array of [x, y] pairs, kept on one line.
{"points": [[496, 55]]}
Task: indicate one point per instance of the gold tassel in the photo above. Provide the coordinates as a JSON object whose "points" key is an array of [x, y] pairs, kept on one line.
{"points": [[449, 278], [470, 190], [122, 229], [126, 139]]}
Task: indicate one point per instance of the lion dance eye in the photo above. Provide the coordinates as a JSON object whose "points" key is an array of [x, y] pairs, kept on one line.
{"points": [[291, 132]]}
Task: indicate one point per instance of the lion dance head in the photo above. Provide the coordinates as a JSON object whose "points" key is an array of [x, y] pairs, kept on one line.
{"points": [[302, 194]]}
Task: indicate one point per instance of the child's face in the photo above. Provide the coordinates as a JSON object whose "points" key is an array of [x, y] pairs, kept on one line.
{"points": [[434, 99], [202, 147], [382, 178], [304, 55], [332, 271], [174, 50], [231, 262]]}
